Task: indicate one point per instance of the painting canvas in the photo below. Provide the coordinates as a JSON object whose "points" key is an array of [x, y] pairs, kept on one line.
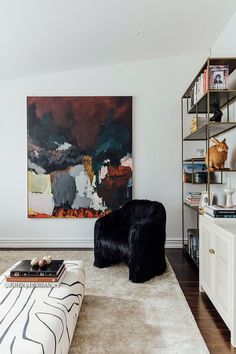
{"points": [[79, 155]]}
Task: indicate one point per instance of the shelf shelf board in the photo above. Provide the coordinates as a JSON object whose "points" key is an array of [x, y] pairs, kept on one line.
{"points": [[223, 170], [222, 97], [202, 159], [214, 130], [195, 208], [231, 170], [198, 183], [202, 183], [195, 159]]}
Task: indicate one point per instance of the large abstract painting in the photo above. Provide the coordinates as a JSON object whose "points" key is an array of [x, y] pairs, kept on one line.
{"points": [[79, 155]]}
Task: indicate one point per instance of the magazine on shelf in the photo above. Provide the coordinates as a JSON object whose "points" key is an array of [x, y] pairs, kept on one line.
{"points": [[220, 211], [25, 269], [223, 216]]}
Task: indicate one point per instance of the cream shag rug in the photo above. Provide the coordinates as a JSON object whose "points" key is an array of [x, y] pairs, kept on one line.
{"points": [[119, 317]]}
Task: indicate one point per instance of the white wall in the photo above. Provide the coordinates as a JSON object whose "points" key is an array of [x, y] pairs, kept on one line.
{"points": [[156, 87], [225, 46]]}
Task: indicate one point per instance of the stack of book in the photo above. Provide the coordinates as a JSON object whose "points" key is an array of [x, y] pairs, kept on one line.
{"points": [[193, 198], [200, 88], [24, 275], [217, 211]]}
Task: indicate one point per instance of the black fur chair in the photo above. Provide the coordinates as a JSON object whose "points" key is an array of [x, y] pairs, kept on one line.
{"points": [[134, 234]]}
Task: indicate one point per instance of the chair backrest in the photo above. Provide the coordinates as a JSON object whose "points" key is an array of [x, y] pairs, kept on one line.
{"points": [[136, 210]]}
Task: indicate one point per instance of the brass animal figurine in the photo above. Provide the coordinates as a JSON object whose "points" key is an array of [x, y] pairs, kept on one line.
{"points": [[217, 155]]}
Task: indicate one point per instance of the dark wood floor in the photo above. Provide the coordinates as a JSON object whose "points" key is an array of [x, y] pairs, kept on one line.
{"points": [[212, 327]]}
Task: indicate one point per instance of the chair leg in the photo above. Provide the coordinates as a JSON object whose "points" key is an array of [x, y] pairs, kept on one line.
{"points": [[140, 274], [99, 261], [139, 277]]}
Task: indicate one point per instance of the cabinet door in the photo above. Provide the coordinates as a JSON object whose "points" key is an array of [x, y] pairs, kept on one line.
{"points": [[222, 274], [206, 258]]}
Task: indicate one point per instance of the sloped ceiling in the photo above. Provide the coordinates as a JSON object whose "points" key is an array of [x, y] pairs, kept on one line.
{"points": [[45, 36]]}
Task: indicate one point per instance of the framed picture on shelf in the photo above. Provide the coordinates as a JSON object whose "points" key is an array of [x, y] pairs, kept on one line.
{"points": [[204, 201], [218, 77]]}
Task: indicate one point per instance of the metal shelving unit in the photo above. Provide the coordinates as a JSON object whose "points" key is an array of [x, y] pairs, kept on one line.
{"points": [[210, 129]]}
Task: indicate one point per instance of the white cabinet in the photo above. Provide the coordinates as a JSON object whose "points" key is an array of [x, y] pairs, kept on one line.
{"points": [[217, 244]]}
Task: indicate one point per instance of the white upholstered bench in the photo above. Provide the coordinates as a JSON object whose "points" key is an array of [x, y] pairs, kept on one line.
{"points": [[41, 320]]}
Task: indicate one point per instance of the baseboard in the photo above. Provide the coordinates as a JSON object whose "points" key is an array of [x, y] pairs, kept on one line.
{"points": [[46, 243], [173, 243], [38, 242]]}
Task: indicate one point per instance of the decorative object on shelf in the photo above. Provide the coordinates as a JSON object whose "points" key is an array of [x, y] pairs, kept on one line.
{"points": [[197, 123], [229, 193], [217, 155], [218, 77], [200, 152], [204, 200], [194, 172], [231, 82], [217, 113], [41, 262]]}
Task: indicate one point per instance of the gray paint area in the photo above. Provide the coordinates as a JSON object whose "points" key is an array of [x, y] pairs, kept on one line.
{"points": [[63, 189], [84, 188], [72, 188], [81, 202], [76, 170], [33, 166]]}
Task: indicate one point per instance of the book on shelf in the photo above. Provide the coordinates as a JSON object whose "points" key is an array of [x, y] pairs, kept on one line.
{"points": [[193, 198], [192, 204], [205, 81], [200, 88], [193, 194], [24, 269], [36, 282], [224, 216], [218, 211]]}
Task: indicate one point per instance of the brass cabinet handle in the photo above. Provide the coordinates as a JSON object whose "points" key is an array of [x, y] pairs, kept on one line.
{"points": [[211, 251]]}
